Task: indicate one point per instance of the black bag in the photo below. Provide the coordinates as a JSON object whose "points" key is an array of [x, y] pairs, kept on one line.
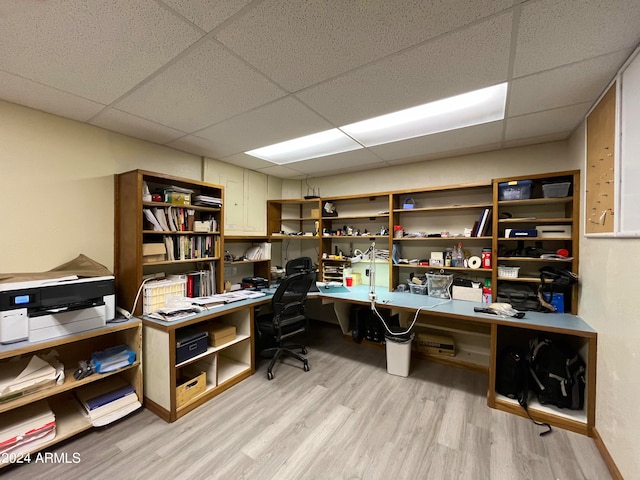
{"points": [[522, 297], [512, 374], [554, 280], [558, 373]]}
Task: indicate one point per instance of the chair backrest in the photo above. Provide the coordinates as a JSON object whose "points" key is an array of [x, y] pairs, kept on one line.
{"points": [[291, 295], [298, 265]]}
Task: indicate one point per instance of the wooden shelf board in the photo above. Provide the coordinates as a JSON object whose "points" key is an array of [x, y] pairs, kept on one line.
{"points": [[536, 239], [467, 360], [373, 216], [537, 201], [191, 260], [540, 221], [579, 416], [532, 259], [243, 262], [433, 267], [442, 239], [69, 384], [239, 338], [176, 232], [191, 207], [445, 208]]}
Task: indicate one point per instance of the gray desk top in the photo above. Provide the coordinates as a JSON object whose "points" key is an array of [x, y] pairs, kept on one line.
{"points": [[458, 308]]}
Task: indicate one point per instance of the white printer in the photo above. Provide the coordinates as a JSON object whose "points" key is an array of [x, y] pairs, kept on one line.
{"points": [[40, 310]]}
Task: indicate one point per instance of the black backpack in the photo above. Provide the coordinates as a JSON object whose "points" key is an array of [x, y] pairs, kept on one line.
{"points": [[558, 373], [512, 375]]}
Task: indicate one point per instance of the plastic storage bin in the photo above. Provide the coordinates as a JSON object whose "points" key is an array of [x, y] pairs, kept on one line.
{"points": [[418, 289], [438, 285], [516, 190], [556, 189], [508, 272]]}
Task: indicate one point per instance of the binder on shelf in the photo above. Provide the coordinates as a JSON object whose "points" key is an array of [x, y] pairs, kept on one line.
{"points": [[148, 214], [483, 223]]}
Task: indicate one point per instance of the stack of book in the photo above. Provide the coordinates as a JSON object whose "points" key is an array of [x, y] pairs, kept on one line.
{"points": [[107, 400]]}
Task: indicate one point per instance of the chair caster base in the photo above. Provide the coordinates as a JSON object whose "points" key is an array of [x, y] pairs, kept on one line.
{"points": [[306, 366], [269, 375]]}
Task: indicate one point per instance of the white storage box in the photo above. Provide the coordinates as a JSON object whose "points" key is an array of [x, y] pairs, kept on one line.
{"points": [[556, 231], [508, 272], [469, 294]]}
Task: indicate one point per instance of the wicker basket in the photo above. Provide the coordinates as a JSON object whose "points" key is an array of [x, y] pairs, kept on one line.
{"points": [[508, 272]]}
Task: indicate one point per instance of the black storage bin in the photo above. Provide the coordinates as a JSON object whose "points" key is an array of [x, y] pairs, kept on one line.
{"points": [[189, 343]]}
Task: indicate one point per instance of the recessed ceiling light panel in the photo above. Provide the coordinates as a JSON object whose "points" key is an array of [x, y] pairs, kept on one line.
{"points": [[316, 145], [471, 108]]}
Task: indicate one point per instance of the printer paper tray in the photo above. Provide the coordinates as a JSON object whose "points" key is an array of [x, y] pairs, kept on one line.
{"points": [[55, 325]]}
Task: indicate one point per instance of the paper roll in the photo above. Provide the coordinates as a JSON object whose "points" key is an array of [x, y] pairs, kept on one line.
{"points": [[475, 262]]}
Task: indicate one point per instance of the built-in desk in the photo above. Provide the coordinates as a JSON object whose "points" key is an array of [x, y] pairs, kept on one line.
{"points": [[224, 365], [480, 337]]}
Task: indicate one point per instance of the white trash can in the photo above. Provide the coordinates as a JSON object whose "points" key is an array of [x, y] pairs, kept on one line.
{"points": [[398, 354]]}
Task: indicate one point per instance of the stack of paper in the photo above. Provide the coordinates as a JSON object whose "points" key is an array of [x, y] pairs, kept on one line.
{"points": [[24, 428], [107, 400], [24, 376], [207, 201]]}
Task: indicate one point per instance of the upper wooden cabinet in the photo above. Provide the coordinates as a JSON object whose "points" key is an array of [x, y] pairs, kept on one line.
{"points": [[188, 235]]}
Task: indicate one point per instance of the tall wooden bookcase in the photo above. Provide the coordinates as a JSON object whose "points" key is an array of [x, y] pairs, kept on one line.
{"points": [[132, 232]]}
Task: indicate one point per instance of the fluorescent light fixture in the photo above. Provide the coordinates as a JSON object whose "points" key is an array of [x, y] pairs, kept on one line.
{"points": [[316, 145], [471, 108]]}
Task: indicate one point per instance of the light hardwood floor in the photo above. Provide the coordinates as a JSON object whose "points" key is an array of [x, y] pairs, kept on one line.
{"points": [[345, 419]]}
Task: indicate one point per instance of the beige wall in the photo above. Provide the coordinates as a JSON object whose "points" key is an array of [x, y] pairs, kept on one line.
{"points": [[608, 275], [56, 178], [548, 157]]}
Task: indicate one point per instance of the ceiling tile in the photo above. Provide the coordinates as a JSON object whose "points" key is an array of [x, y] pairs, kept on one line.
{"points": [[355, 160], [417, 76], [207, 14], [298, 43], [193, 144], [94, 49], [478, 135], [282, 172], [275, 122], [449, 153], [557, 32], [122, 122], [575, 83], [564, 119], [41, 97], [523, 142], [205, 86], [246, 161]]}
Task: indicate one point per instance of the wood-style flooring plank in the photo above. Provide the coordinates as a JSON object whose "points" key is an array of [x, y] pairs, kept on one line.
{"points": [[345, 419]]}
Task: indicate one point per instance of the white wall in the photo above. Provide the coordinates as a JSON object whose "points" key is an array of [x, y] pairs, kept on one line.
{"points": [[609, 276], [56, 179]]}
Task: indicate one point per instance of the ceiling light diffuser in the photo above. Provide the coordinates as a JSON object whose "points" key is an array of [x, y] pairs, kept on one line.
{"points": [[316, 145], [471, 108]]}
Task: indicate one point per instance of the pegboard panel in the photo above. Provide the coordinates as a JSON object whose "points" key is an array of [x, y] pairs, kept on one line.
{"points": [[600, 169]]}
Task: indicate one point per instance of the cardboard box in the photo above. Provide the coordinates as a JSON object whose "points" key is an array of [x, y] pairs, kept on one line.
{"points": [[219, 334], [191, 384], [433, 344], [153, 252]]}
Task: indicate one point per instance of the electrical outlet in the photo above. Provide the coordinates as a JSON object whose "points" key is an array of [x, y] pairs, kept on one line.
{"points": [[366, 272]]}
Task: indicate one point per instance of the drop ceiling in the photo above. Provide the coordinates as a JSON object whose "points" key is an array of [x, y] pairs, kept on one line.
{"points": [[218, 78]]}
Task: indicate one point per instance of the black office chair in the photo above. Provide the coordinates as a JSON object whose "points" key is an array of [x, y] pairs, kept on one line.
{"points": [[287, 319], [298, 265]]}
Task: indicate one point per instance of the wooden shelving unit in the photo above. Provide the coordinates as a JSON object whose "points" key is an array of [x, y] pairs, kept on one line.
{"points": [[225, 365], [132, 231], [67, 409]]}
